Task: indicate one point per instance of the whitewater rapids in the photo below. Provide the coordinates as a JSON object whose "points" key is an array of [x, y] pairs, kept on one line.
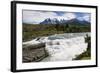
{"points": [[62, 47]]}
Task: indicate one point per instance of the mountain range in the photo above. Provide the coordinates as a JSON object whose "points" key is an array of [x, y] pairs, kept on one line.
{"points": [[63, 21]]}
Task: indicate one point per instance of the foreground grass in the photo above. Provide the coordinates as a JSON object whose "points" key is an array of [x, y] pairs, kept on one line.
{"points": [[86, 58]]}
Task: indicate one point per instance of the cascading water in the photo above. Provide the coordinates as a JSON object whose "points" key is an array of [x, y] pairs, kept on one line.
{"points": [[62, 47]]}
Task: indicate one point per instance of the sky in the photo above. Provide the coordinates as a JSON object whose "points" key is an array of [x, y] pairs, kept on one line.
{"points": [[35, 17]]}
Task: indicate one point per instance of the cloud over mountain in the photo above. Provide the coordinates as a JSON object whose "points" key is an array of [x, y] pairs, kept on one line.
{"points": [[35, 17]]}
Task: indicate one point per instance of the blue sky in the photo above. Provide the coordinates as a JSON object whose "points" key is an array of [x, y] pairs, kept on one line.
{"points": [[35, 17]]}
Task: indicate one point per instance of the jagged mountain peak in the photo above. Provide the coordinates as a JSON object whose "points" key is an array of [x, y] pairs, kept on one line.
{"points": [[63, 21], [53, 21]]}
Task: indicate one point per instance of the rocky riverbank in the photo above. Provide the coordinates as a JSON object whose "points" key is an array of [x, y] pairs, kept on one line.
{"points": [[34, 53]]}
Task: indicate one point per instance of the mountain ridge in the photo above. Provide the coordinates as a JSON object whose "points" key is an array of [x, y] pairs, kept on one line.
{"points": [[63, 21]]}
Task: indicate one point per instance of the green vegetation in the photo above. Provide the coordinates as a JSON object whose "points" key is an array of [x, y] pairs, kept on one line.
{"points": [[31, 31], [87, 54]]}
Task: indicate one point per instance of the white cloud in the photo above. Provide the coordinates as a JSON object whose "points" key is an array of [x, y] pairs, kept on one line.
{"points": [[86, 17], [69, 16], [39, 16], [36, 16]]}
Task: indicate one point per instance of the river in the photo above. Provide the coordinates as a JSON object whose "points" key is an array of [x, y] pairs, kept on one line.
{"points": [[62, 47]]}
